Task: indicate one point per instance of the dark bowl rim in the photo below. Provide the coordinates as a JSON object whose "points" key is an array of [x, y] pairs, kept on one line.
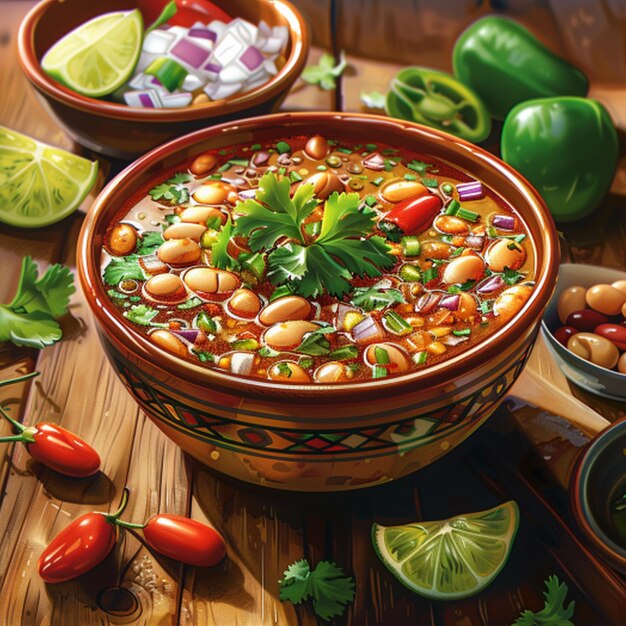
{"points": [[299, 41], [578, 501], [428, 378]]}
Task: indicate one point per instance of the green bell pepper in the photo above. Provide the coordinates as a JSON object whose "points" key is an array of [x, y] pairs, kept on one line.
{"points": [[438, 100], [567, 148], [505, 64]]}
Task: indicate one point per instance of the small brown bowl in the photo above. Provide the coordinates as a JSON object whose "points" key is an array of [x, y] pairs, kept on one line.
{"points": [[600, 477], [320, 437], [126, 132]]}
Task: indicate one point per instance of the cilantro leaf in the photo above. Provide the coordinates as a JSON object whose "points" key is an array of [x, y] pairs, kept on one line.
{"points": [[50, 294], [325, 72], [219, 250], [554, 612], [371, 298], [34, 330], [29, 319], [373, 100], [124, 268], [273, 214], [314, 343], [329, 587], [140, 314], [172, 190], [149, 242], [510, 277]]}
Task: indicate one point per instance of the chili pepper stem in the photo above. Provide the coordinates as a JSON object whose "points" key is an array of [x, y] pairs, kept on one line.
{"points": [[113, 518], [19, 427], [12, 438], [19, 379]]}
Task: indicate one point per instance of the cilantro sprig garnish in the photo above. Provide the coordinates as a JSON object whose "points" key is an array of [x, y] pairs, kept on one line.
{"points": [[325, 73], [554, 612], [311, 265], [328, 586], [29, 320], [173, 190], [122, 268], [510, 277]]}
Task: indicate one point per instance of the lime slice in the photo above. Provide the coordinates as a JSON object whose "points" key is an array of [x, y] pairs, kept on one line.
{"points": [[449, 559], [39, 184], [99, 56]]}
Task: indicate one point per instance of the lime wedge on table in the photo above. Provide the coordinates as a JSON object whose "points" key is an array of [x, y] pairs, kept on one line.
{"points": [[449, 559], [39, 184], [99, 56]]}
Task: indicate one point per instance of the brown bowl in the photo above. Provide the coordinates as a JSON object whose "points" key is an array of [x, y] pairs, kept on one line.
{"points": [[320, 437], [126, 132]]}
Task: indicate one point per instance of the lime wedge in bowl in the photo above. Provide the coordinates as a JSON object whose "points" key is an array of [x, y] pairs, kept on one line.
{"points": [[449, 559], [99, 56], [40, 184]]}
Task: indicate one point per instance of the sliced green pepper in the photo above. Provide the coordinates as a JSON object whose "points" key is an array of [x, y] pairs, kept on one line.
{"points": [[567, 148], [438, 100], [505, 64]]}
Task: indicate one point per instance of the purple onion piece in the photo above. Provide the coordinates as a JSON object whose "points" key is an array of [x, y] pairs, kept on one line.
{"points": [[491, 284], [470, 191], [427, 302], [251, 58], [214, 68], [366, 330], [246, 194], [504, 222], [475, 241], [374, 162], [451, 302], [453, 340], [189, 334], [260, 158], [203, 33], [284, 159], [190, 53]]}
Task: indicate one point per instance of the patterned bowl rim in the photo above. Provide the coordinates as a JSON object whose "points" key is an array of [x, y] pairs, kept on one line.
{"points": [[534, 213]]}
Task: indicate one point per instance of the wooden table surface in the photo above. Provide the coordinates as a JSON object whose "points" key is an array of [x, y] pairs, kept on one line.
{"points": [[522, 453]]}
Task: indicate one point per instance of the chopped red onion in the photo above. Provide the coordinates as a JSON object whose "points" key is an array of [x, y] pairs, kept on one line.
{"points": [[504, 222], [374, 162], [241, 363], [203, 33], [453, 340], [470, 191], [284, 159], [260, 158], [427, 302], [367, 330], [491, 284], [475, 241], [189, 334], [190, 53], [251, 58], [214, 68], [246, 194], [451, 302], [342, 311]]}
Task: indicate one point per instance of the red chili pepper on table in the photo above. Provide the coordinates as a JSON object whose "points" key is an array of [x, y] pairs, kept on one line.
{"points": [[52, 445], [89, 539], [412, 215]]}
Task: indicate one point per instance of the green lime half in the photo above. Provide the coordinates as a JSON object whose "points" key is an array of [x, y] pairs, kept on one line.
{"points": [[99, 56], [39, 184], [449, 559]]}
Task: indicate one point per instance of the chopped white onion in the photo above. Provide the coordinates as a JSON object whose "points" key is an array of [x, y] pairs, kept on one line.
{"points": [[241, 363]]}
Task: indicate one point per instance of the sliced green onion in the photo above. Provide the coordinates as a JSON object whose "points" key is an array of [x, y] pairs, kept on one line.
{"points": [[378, 180], [265, 351], [381, 355], [458, 251], [206, 323], [511, 245], [168, 72], [215, 176], [418, 166], [453, 208], [430, 182], [295, 177], [204, 357], [397, 324], [378, 371], [345, 352], [370, 200], [344, 150], [447, 188], [371, 147], [491, 231], [467, 215], [224, 167], [245, 344], [240, 162], [520, 238], [411, 246], [388, 165], [410, 177], [462, 332], [410, 273], [486, 306], [419, 358], [321, 168], [283, 147], [282, 171]]}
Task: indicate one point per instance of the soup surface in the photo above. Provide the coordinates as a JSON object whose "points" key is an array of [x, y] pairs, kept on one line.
{"points": [[313, 259]]}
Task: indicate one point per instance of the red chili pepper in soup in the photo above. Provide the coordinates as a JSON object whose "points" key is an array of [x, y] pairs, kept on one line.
{"points": [[410, 216]]}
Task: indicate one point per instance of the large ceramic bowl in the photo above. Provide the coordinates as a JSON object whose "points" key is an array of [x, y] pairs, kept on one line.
{"points": [[126, 132], [320, 437]]}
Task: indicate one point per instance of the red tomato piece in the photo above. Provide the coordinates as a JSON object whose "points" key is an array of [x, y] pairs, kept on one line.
{"points": [[63, 451], [188, 12], [85, 543], [185, 540]]}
